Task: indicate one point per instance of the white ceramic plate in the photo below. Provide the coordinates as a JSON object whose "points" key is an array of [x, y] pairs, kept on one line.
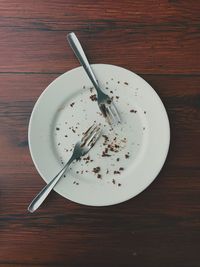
{"points": [[137, 148]]}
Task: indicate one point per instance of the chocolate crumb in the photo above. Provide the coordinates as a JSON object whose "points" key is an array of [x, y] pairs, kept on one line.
{"points": [[74, 182], [73, 131], [96, 169], [119, 184], [121, 168], [108, 101], [125, 83], [64, 175], [145, 112], [117, 159], [143, 128], [126, 156], [105, 137], [105, 155], [72, 104], [77, 183], [66, 136], [118, 82], [99, 176], [93, 97], [107, 171], [83, 86], [112, 79], [58, 144], [113, 181], [57, 129], [116, 172], [111, 92], [117, 96], [134, 111]]}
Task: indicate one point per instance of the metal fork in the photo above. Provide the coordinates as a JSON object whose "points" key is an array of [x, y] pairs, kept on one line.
{"points": [[81, 148], [105, 103]]}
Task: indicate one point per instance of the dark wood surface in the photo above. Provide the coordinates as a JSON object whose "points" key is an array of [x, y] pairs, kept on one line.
{"points": [[160, 41]]}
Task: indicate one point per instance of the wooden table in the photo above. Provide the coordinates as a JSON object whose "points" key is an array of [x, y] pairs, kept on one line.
{"points": [[159, 40]]}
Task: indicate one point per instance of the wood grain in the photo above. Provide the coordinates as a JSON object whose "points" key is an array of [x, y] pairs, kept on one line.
{"points": [[158, 40]]}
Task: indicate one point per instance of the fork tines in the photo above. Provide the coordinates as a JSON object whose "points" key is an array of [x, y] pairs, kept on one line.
{"points": [[91, 135]]}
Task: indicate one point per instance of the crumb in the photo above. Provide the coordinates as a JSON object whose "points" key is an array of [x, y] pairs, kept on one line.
{"points": [[64, 175], [73, 131], [111, 92], [105, 137], [74, 182], [77, 183], [117, 159], [107, 171], [113, 181], [134, 111], [66, 136], [116, 172], [96, 169], [119, 184], [105, 155], [143, 128], [112, 79], [57, 129], [93, 97], [121, 168], [118, 82], [108, 101], [117, 96], [145, 112], [125, 83], [126, 156], [83, 86], [77, 172], [58, 144], [72, 104], [99, 176], [106, 87]]}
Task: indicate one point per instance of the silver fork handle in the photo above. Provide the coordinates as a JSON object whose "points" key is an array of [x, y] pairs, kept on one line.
{"points": [[78, 51], [38, 200]]}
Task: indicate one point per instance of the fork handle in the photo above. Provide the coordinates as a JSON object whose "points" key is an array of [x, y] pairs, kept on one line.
{"points": [[38, 200], [78, 51]]}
